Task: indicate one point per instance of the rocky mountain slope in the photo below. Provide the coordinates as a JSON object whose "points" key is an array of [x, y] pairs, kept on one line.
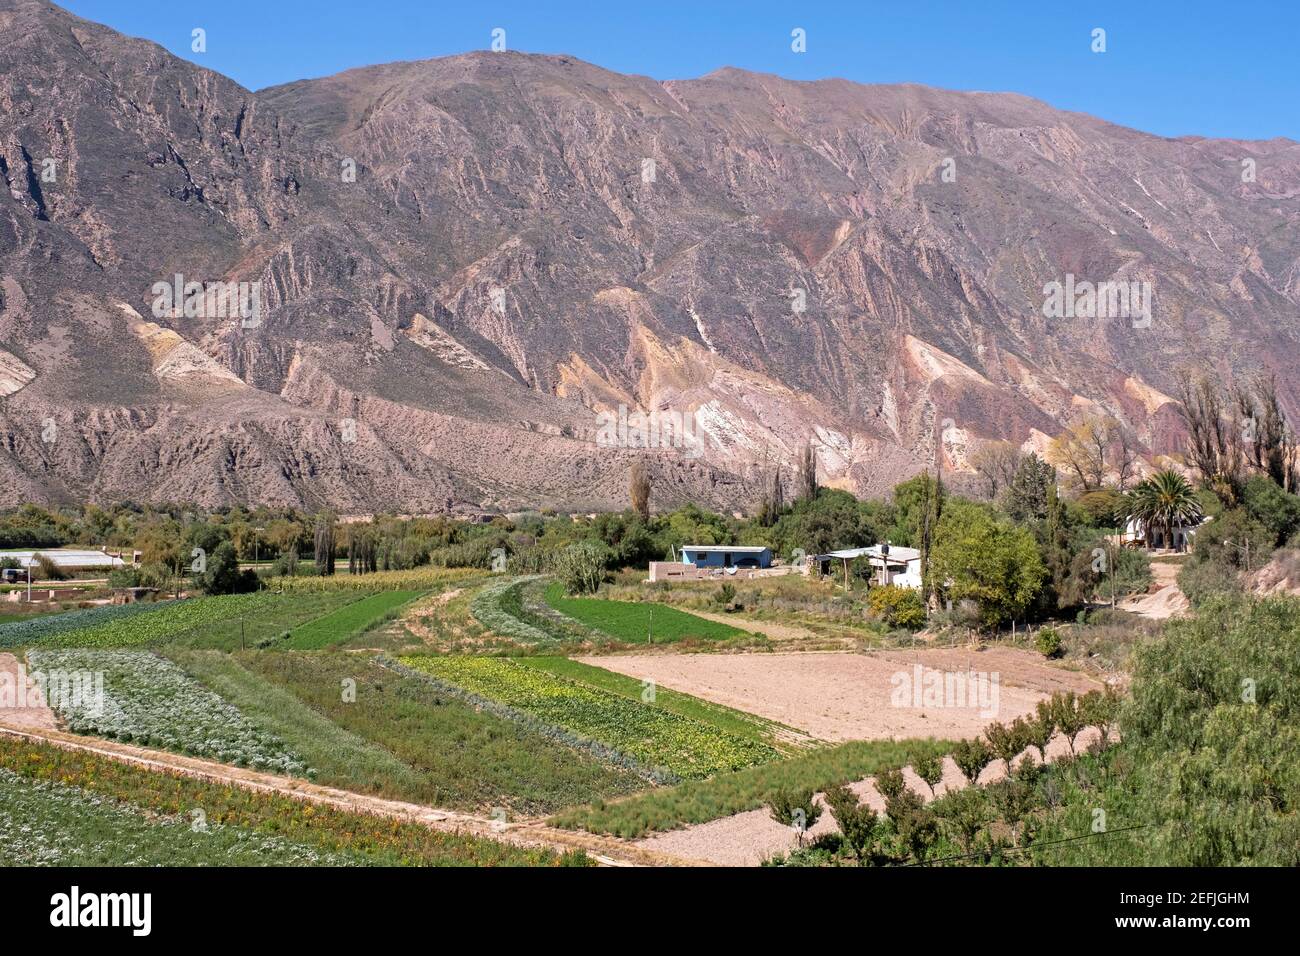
{"points": [[462, 263]]}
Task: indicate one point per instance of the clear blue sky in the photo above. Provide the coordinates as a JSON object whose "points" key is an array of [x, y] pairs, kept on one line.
{"points": [[1173, 67]]}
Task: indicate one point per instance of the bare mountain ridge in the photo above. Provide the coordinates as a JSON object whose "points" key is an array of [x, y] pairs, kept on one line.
{"points": [[442, 331]]}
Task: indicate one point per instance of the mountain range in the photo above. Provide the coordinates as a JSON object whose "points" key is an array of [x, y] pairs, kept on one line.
{"points": [[457, 272]]}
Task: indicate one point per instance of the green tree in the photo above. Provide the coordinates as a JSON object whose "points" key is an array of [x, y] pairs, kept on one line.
{"points": [[962, 814], [222, 574], [581, 567], [795, 809], [858, 823], [982, 558], [1272, 508], [1025, 499], [1164, 500], [1212, 729], [972, 756]]}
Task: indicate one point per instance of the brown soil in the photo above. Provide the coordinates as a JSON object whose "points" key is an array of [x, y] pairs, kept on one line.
{"points": [[839, 696], [411, 618], [1163, 599], [746, 839], [38, 717]]}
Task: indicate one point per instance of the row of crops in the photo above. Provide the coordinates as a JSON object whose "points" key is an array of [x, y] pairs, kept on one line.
{"points": [[499, 608], [169, 620], [654, 737], [37, 630], [137, 697], [353, 618], [416, 579]]}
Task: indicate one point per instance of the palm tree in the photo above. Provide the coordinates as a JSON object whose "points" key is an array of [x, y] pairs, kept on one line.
{"points": [[1164, 500]]}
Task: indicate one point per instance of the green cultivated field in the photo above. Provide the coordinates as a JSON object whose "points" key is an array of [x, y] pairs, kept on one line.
{"points": [[215, 619], [656, 738], [725, 719], [633, 622], [63, 807], [351, 619], [265, 628], [458, 756], [46, 823], [339, 757]]}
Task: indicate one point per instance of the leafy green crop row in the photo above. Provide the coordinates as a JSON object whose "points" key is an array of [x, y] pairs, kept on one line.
{"points": [[169, 621], [638, 622], [137, 697], [348, 620], [36, 630], [651, 735], [497, 607], [48, 823], [362, 837]]}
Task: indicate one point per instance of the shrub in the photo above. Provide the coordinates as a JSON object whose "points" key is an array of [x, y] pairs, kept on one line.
{"points": [[581, 567], [49, 570], [1203, 581], [795, 809], [898, 607], [971, 757], [858, 823], [890, 783], [1048, 642]]}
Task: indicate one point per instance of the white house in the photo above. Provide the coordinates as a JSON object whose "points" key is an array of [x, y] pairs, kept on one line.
{"points": [[891, 564], [1135, 534]]}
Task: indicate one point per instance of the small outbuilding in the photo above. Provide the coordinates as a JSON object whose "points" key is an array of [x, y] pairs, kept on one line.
{"points": [[726, 556]]}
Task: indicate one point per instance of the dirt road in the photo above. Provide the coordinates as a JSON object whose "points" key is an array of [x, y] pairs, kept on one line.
{"points": [[33, 714], [1164, 598]]}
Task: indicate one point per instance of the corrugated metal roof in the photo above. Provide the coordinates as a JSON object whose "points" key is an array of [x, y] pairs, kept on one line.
{"points": [[733, 548], [65, 558]]}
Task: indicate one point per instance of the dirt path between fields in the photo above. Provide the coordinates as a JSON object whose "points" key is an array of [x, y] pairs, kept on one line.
{"points": [[1164, 598], [607, 851], [750, 837], [410, 618], [33, 712]]}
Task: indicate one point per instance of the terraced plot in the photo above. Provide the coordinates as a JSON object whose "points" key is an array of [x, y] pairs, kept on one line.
{"points": [[137, 697], [638, 622], [254, 826], [353, 618], [456, 755], [653, 736], [43, 628], [725, 719], [46, 823], [167, 622]]}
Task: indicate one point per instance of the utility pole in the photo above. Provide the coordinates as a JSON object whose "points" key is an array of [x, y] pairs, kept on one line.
{"points": [[29, 580], [650, 625], [1113, 555]]}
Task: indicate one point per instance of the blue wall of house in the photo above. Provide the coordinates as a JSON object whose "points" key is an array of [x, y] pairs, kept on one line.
{"points": [[718, 559]]}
